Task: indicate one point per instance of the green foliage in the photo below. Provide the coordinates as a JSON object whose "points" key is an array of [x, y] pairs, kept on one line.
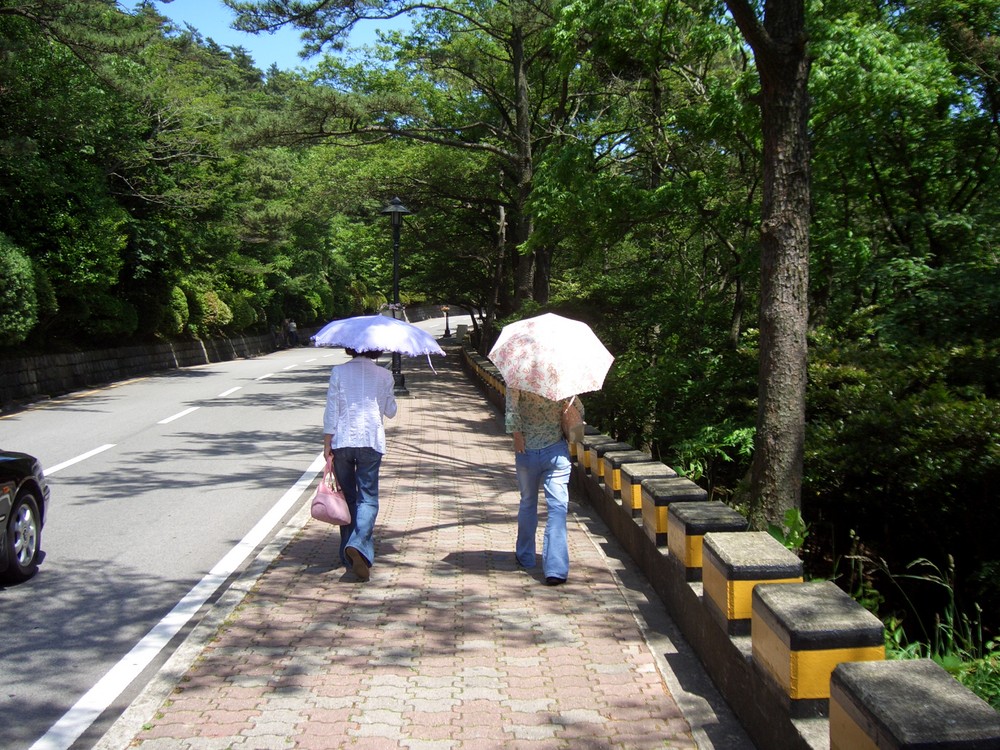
{"points": [[897, 645], [178, 313], [211, 315], [915, 630], [91, 29], [208, 315], [981, 674], [88, 245], [793, 531], [956, 641], [48, 302], [109, 318], [949, 306], [954, 634], [243, 313], [696, 457], [18, 300], [903, 124], [893, 432]]}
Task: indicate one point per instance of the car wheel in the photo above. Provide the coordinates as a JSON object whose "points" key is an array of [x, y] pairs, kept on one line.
{"points": [[24, 539]]}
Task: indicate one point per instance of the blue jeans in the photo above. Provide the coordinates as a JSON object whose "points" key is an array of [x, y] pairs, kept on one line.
{"points": [[550, 467], [357, 473]]}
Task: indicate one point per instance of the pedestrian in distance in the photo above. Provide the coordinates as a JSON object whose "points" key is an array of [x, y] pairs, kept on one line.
{"points": [[541, 458], [359, 398]]}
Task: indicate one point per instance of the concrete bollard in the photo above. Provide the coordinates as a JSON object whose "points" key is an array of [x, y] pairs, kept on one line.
{"points": [[494, 379], [633, 475], [612, 469], [734, 563], [800, 633], [689, 522], [576, 446], [655, 499], [589, 451], [597, 464], [907, 704]]}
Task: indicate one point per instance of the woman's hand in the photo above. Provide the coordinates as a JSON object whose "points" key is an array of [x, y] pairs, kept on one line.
{"points": [[519, 442]]}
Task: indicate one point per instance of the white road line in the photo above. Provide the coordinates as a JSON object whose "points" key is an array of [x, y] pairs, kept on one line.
{"points": [[290, 367], [265, 376], [230, 392], [58, 467], [95, 701], [178, 415]]}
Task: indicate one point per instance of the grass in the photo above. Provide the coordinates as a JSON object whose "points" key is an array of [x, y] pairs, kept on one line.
{"points": [[955, 641]]}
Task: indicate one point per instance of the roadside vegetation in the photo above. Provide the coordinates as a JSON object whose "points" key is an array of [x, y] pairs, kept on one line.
{"points": [[603, 161]]}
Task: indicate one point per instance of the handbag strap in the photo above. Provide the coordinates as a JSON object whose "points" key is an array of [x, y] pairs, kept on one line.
{"points": [[571, 400], [329, 472]]}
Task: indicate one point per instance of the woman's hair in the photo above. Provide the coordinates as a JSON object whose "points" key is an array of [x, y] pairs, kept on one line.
{"points": [[355, 353]]}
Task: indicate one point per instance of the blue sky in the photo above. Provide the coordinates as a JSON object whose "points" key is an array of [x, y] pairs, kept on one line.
{"points": [[212, 18]]}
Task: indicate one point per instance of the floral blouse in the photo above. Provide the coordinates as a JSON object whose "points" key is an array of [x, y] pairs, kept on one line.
{"points": [[538, 418]]}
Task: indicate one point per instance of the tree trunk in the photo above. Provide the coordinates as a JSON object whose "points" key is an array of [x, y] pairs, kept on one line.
{"points": [[543, 273], [736, 318], [780, 53], [522, 223], [489, 324]]}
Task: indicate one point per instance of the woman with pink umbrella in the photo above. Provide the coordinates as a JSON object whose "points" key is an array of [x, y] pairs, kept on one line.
{"points": [[545, 362]]}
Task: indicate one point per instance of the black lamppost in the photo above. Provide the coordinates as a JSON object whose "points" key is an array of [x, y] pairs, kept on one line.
{"points": [[396, 211], [447, 330]]}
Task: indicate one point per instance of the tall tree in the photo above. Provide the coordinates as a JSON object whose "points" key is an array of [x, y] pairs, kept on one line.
{"points": [[778, 41], [90, 29], [471, 76]]}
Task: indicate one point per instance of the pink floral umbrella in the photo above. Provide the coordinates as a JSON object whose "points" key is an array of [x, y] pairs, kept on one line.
{"points": [[552, 356]]}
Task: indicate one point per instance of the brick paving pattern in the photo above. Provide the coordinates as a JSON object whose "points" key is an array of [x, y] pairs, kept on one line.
{"points": [[449, 645]]}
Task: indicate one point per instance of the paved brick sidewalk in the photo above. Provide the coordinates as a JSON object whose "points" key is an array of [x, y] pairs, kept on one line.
{"points": [[449, 645]]}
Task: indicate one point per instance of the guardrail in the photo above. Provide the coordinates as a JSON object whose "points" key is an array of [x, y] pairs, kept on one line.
{"points": [[800, 662]]}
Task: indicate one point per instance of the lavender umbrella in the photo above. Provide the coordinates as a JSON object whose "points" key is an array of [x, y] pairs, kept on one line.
{"points": [[369, 333]]}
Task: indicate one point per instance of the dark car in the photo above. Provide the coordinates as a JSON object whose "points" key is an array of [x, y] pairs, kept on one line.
{"points": [[24, 501]]}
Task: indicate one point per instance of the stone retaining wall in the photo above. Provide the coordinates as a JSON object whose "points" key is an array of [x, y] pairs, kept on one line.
{"points": [[35, 378]]}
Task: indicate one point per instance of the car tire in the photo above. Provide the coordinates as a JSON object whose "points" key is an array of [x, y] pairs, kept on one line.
{"points": [[24, 539]]}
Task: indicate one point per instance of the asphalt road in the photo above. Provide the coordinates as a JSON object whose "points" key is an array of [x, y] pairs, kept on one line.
{"points": [[162, 489]]}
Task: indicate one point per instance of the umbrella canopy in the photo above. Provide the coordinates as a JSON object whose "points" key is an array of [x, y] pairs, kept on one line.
{"points": [[377, 333], [552, 356]]}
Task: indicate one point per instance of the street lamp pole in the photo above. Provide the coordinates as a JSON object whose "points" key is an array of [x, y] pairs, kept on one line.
{"points": [[396, 211], [447, 330]]}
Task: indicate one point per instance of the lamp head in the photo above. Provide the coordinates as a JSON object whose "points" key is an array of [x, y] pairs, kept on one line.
{"points": [[396, 211]]}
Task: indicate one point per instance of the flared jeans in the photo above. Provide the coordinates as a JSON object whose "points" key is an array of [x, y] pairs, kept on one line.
{"points": [[549, 468], [357, 472]]}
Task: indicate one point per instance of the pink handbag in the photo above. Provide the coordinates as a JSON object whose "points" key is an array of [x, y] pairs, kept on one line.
{"points": [[328, 502]]}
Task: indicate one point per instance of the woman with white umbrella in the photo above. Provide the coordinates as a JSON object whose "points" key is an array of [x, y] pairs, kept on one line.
{"points": [[358, 398]]}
